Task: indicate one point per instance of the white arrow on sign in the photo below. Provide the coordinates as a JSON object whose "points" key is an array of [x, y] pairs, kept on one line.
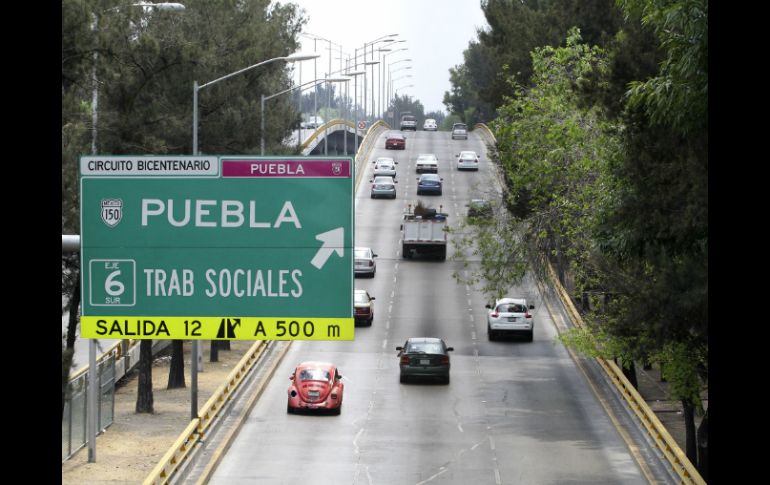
{"points": [[332, 241]]}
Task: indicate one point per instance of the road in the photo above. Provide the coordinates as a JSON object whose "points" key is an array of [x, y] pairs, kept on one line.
{"points": [[515, 412]]}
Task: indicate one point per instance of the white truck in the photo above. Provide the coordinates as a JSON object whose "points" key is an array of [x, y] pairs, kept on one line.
{"points": [[424, 232]]}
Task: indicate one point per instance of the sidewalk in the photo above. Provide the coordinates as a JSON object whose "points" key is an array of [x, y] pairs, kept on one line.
{"points": [[131, 447], [669, 412]]}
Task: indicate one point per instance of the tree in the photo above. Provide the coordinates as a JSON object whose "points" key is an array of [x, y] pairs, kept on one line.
{"points": [[176, 369], [144, 397]]}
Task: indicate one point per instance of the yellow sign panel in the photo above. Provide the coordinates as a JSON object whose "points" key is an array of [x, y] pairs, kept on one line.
{"points": [[217, 328]]}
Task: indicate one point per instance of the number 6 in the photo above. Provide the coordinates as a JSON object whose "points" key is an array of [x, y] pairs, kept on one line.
{"points": [[114, 288]]}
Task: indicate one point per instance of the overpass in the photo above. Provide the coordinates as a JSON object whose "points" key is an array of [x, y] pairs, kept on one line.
{"points": [[335, 137]]}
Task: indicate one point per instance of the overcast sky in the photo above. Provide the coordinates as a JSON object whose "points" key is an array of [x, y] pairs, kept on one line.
{"points": [[436, 34]]}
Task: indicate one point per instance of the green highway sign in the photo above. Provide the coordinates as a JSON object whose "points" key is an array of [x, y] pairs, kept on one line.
{"points": [[252, 240]]}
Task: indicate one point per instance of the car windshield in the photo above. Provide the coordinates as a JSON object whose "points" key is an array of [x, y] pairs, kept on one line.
{"points": [[382, 180], [459, 127], [511, 308], [361, 253], [425, 347], [314, 375], [429, 178], [361, 297]]}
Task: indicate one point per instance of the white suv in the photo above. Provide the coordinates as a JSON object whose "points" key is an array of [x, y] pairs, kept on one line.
{"points": [[510, 315]]}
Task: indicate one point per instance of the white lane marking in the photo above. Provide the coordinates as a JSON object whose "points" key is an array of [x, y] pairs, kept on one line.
{"points": [[460, 427], [392, 293], [498, 480], [384, 344], [355, 440], [387, 325], [433, 476], [492, 443], [471, 316], [470, 303], [473, 335]]}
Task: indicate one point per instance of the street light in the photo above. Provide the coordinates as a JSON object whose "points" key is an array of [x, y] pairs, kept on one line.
{"points": [[168, 6], [384, 82], [196, 88], [355, 74], [266, 98], [395, 95]]}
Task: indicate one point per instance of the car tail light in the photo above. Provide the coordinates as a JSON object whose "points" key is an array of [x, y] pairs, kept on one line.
{"points": [[371, 263], [444, 360], [494, 315], [527, 315], [334, 395], [404, 359]]}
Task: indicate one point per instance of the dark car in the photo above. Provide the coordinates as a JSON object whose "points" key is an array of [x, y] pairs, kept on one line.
{"points": [[395, 141], [424, 357], [429, 183], [363, 307]]}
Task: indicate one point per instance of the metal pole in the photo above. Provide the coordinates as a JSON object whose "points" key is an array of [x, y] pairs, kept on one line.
{"points": [[315, 91], [95, 92], [92, 388], [299, 108], [194, 379], [195, 118], [262, 131]]}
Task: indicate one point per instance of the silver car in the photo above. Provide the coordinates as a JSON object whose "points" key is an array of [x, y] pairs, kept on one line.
{"points": [[459, 130], [383, 186], [510, 315], [364, 261], [424, 357]]}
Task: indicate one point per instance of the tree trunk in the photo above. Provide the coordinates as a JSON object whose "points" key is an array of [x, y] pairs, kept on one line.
{"points": [[224, 345], [176, 370], [144, 400], [630, 373], [214, 353], [689, 427], [703, 447], [68, 354]]}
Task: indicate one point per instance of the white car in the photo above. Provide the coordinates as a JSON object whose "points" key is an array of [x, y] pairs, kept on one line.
{"points": [[467, 160], [364, 262], [426, 162], [430, 125], [385, 166], [510, 315]]}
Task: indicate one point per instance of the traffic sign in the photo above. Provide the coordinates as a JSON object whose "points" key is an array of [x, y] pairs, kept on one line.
{"points": [[168, 241], [362, 125]]}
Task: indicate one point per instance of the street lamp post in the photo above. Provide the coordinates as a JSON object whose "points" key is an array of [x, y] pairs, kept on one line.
{"points": [[384, 82], [196, 88], [355, 75], [395, 95]]}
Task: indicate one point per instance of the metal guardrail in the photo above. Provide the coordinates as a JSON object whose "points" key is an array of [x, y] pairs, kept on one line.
{"points": [[486, 132], [660, 435], [196, 430], [321, 130]]}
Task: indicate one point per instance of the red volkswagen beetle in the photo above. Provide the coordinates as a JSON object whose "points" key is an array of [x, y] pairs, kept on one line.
{"points": [[315, 385]]}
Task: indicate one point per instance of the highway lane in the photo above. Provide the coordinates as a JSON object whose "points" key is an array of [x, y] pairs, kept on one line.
{"points": [[514, 412]]}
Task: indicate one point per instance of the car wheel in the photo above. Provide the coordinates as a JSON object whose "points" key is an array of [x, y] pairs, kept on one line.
{"points": [[369, 322], [337, 411], [289, 409], [530, 335], [446, 380], [402, 379]]}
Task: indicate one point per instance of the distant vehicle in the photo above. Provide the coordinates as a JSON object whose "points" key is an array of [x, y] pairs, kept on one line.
{"points": [[385, 166], [479, 209], [363, 307], [429, 183], [383, 186], [315, 386], [424, 357], [459, 130], [423, 231], [312, 122], [395, 140], [426, 162], [510, 315], [430, 125], [408, 122], [364, 261], [467, 160]]}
